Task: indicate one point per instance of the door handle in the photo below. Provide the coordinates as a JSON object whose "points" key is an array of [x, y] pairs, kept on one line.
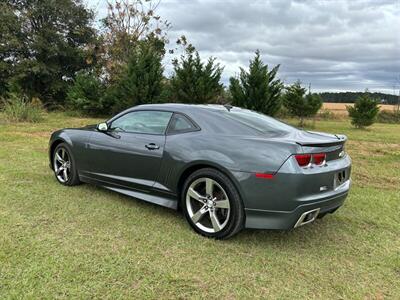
{"points": [[152, 146]]}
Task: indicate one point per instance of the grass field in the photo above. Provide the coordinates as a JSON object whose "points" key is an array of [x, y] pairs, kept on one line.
{"points": [[340, 108], [86, 242]]}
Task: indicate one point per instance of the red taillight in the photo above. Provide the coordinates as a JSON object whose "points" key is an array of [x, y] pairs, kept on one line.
{"points": [[303, 159], [319, 158]]}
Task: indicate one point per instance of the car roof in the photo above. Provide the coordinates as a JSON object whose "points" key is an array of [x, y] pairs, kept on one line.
{"points": [[209, 117], [206, 116], [181, 107]]}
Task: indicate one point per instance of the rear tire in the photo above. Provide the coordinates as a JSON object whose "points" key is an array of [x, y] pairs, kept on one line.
{"points": [[64, 166], [212, 204]]}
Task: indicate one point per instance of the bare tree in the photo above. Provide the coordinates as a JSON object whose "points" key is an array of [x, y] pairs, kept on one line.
{"points": [[127, 23]]}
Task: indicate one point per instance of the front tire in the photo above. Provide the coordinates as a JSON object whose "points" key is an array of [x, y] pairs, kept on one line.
{"points": [[64, 166], [212, 204]]}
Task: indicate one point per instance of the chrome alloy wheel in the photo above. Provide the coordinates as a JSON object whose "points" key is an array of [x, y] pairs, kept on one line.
{"points": [[62, 165], [208, 205]]}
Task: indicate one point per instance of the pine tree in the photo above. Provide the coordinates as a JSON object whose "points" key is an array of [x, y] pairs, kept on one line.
{"points": [[258, 89], [364, 111], [85, 94], [194, 81], [300, 104], [140, 81]]}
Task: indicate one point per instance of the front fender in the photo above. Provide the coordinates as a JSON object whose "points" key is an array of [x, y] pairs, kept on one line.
{"points": [[56, 138], [76, 139]]}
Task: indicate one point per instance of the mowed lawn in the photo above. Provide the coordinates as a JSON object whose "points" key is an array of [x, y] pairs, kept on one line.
{"points": [[87, 242]]}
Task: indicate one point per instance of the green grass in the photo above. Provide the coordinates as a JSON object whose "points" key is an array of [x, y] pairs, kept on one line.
{"points": [[87, 242]]}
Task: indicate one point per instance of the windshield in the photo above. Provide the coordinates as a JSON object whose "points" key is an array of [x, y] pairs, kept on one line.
{"points": [[258, 121]]}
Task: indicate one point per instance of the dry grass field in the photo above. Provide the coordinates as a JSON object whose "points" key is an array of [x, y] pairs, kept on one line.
{"points": [[340, 108]]}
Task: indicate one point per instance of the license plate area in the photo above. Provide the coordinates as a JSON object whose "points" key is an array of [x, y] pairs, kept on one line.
{"points": [[340, 178]]}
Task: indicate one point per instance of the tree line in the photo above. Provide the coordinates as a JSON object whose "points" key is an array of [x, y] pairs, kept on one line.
{"points": [[52, 55], [351, 97], [50, 51]]}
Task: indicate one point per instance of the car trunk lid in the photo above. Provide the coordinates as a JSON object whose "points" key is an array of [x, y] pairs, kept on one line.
{"points": [[317, 142], [314, 139]]}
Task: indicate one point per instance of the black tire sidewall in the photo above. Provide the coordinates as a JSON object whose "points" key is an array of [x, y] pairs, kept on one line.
{"points": [[236, 217]]}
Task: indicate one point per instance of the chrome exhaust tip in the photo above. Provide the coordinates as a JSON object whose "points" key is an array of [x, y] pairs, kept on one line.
{"points": [[307, 217]]}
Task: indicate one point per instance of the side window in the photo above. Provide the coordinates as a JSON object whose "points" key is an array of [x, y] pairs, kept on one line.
{"points": [[180, 124], [150, 122]]}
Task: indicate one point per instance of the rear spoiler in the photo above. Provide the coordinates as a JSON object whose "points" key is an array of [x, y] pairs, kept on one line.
{"points": [[341, 139]]}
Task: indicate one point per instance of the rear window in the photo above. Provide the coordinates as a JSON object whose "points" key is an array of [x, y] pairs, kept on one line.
{"points": [[258, 121]]}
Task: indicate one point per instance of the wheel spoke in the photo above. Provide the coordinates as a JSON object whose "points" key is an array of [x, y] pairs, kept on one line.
{"points": [[209, 187], [222, 203], [59, 159], [65, 175], [199, 214], [58, 171], [195, 195], [214, 221]]}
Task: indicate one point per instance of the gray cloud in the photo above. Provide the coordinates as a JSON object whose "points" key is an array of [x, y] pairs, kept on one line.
{"points": [[334, 45]]}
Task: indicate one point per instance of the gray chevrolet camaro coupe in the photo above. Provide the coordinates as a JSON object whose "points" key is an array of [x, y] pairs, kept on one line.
{"points": [[225, 167]]}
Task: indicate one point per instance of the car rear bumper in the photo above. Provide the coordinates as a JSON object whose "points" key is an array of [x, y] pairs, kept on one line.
{"points": [[270, 219]]}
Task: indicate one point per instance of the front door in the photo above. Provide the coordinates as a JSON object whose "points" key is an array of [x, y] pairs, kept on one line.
{"points": [[130, 154]]}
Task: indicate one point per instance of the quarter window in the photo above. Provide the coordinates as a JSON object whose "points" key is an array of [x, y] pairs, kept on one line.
{"points": [[150, 122], [180, 124]]}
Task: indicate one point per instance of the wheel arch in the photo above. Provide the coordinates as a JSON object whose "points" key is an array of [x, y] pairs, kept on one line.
{"points": [[53, 147], [193, 167]]}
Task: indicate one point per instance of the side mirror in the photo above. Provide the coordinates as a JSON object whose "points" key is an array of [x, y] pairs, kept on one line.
{"points": [[103, 127]]}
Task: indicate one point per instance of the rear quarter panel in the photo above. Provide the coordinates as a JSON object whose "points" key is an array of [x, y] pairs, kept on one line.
{"points": [[228, 153]]}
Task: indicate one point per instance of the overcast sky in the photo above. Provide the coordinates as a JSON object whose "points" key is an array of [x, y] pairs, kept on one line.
{"points": [[335, 45]]}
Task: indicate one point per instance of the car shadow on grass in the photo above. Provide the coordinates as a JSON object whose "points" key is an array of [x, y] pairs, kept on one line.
{"points": [[322, 230], [148, 207], [329, 233]]}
